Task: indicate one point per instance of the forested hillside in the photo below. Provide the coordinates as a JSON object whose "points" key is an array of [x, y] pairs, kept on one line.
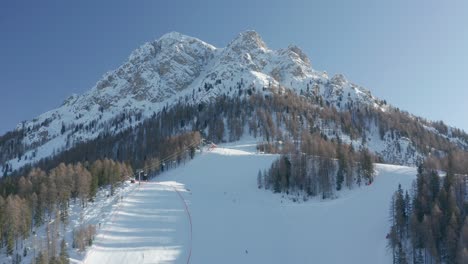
{"points": [[392, 136], [42, 198]]}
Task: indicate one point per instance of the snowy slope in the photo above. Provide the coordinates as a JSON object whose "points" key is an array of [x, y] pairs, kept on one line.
{"points": [[150, 225], [234, 222]]}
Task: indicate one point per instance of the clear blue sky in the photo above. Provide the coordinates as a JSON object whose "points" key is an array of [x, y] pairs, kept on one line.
{"points": [[414, 54]]}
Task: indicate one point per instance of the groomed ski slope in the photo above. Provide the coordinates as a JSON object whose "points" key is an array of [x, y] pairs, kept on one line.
{"points": [[148, 226], [234, 222]]}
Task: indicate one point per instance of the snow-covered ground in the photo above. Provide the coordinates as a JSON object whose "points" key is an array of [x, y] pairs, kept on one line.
{"points": [[149, 226], [234, 222]]}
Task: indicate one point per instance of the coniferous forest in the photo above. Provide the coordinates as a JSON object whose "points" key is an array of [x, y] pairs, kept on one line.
{"points": [[318, 167], [429, 224]]}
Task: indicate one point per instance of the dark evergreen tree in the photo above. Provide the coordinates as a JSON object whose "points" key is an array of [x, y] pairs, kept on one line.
{"points": [[64, 257], [342, 164], [367, 166], [259, 179]]}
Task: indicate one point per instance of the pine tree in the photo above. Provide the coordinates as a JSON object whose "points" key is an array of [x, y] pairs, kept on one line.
{"points": [[324, 174], [83, 183], [41, 258], [265, 180], [400, 213], [407, 212], [400, 255], [64, 257], [192, 152], [350, 166], [339, 179], [341, 167], [97, 177], [17, 259], [392, 235], [367, 167], [10, 242], [276, 180], [451, 240], [462, 251], [434, 185], [259, 179], [13, 218]]}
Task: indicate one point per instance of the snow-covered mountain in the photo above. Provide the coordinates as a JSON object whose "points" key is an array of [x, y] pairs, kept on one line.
{"points": [[178, 68]]}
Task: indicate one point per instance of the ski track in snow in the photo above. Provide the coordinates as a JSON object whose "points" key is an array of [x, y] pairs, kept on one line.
{"points": [[149, 226], [235, 222]]}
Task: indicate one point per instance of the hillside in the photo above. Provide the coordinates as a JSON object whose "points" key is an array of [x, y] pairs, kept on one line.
{"points": [[234, 222], [178, 70]]}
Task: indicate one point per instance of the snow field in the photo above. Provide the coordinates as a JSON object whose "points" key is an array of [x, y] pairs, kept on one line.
{"points": [[235, 222]]}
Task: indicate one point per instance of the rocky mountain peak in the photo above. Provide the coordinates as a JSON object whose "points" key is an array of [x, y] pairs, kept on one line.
{"points": [[295, 50], [248, 41]]}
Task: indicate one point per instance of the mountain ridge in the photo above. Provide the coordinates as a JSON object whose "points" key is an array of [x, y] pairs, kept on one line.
{"points": [[177, 68]]}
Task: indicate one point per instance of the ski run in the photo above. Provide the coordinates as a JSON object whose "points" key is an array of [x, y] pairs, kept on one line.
{"points": [[210, 210]]}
